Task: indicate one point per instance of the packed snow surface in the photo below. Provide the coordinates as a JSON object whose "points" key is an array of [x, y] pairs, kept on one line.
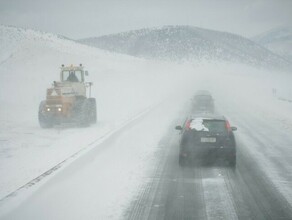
{"points": [[138, 101]]}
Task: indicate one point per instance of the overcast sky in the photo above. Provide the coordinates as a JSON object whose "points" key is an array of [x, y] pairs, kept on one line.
{"points": [[88, 18]]}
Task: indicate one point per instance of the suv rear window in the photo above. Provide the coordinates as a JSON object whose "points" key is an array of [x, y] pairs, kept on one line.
{"points": [[203, 98], [208, 125]]}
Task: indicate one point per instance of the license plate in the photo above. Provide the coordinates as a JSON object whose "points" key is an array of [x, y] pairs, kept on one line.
{"points": [[208, 140]]}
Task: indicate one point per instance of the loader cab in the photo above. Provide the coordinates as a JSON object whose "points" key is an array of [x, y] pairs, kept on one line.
{"points": [[72, 74]]}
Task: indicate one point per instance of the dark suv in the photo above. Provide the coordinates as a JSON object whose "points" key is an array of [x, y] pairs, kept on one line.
{"points": [[203, 102], [207, 137]]}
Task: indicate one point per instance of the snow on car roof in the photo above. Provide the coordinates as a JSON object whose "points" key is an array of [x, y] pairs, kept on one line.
{"points": [[203, 92], [198, 125]]}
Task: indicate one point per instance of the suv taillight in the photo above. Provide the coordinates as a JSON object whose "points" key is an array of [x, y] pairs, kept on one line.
{"points": [[228, 127], [188, 124]]}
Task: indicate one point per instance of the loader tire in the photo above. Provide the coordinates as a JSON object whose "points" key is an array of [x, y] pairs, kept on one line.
{"points": [[84, 114], [92, 110], [44, 120]]}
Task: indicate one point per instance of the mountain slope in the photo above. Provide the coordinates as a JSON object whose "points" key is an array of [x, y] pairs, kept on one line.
{"points": [[278, 40], [187, 43]]}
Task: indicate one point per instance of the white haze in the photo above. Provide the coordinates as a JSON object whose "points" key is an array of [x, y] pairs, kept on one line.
{"points": [[115, 155], [78, 19]]}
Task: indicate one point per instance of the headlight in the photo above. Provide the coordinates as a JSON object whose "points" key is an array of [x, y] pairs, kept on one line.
{"points": [[59, 109], [48, 109]]}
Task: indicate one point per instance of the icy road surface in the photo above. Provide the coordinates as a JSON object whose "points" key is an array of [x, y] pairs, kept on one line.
{"points": [[258, 188]]}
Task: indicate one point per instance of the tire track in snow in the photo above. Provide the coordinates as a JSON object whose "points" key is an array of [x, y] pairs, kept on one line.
{"points": [[258, 167], [218, 200]]}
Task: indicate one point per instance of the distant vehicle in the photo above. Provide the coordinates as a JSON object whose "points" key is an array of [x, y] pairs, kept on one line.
{"points": [[203, 102], [207, 137]]}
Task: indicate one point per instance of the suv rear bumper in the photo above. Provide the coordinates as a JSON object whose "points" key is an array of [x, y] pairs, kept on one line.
{"points": [[208, 151]]}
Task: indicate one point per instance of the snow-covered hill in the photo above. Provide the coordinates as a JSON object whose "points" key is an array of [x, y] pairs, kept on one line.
{"points": [[278, 40], [188, 43]]}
